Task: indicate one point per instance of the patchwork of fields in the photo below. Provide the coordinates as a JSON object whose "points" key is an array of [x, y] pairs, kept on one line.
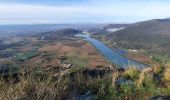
{"points": [[33, 50]]}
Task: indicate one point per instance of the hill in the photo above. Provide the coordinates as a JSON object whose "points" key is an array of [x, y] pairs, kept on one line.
{"points": [[108, 29], [152, 27], [152, 35], [58, 34], [67, 32]]}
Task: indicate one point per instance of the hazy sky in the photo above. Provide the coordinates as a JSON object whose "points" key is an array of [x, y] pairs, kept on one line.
{"points": [[81, 11]]}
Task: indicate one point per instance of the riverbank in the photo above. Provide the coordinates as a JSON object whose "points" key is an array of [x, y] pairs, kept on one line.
{"points": [[112, 55], [123, 54]]}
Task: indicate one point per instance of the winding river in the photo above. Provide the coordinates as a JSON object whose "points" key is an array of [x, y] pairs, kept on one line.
{"points": [[112, 55]]}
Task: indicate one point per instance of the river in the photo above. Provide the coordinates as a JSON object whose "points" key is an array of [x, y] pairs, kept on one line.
{"points": [[112, 55]]}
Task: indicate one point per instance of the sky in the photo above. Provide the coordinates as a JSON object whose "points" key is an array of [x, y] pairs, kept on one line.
{"points": [[81, 11]]}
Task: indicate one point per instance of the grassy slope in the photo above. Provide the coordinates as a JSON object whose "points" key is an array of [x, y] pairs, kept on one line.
{"points": [[38, 84], [152, 35]]}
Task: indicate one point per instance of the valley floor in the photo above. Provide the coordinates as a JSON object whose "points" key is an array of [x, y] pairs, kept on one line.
{"points": [[73, 69]]}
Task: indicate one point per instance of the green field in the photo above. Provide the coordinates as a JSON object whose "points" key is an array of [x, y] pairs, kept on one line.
{"points": [[26, 55]]}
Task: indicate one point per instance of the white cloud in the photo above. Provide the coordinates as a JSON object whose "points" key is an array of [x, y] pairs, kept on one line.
{"points": [[112, 11]]}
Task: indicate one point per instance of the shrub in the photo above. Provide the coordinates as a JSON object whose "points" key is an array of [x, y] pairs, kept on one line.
{"points": [[132, 73]]}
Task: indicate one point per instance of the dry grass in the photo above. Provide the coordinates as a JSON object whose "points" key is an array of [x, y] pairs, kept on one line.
{"points": [[35, 84], [114, 77], [132, 73], [167, 73], [144, 80], [156, 68]]}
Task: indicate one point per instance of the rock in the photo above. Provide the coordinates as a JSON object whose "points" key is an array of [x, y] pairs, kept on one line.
{"points": [[67, 66], [122, 80], [56, 75], [53, 68], [111, 67], [121, 70], [160, 97], [84, 95]]}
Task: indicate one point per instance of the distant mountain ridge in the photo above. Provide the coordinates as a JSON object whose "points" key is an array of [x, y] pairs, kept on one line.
{"points": [[152, 35], [151, 27], [26, 29], [68, 32], [58, 34]]}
